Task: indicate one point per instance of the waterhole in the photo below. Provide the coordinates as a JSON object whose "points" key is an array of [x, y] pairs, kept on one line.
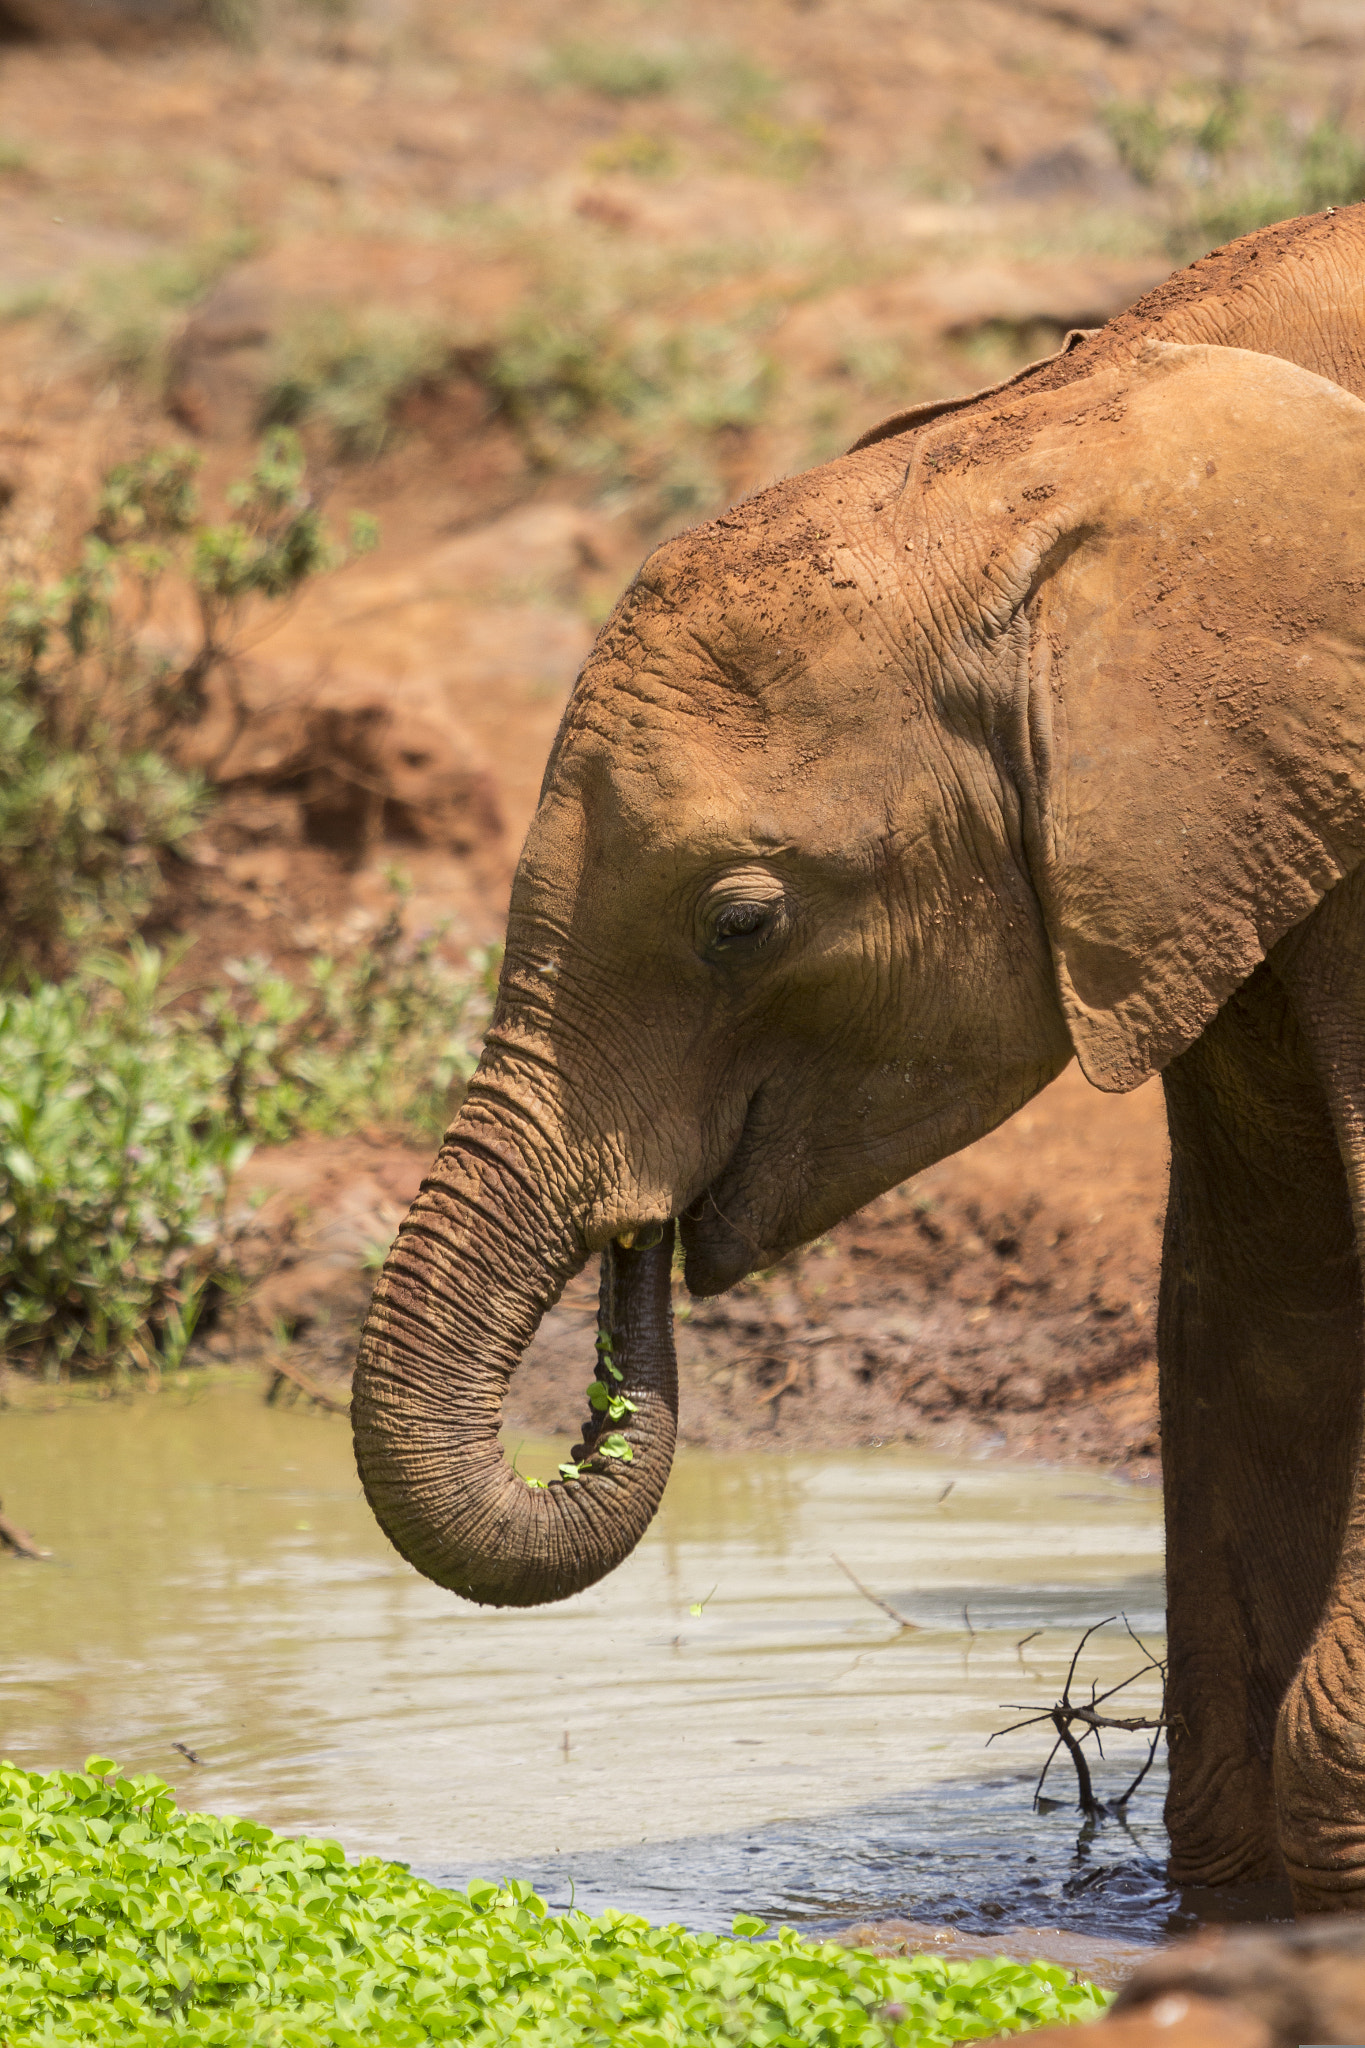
{"points": [[725, 1724]]}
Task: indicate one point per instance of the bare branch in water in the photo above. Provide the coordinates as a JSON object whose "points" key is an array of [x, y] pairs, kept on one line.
{"points": [[12, 1537], [877, 1601], [1066, 1715]]}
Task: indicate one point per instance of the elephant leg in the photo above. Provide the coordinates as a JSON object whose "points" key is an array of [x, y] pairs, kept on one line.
{"points": [[1320, 1739], [1261, 1374]]}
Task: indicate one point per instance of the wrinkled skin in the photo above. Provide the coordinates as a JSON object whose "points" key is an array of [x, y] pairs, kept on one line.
{"points": [[1031, 727]]}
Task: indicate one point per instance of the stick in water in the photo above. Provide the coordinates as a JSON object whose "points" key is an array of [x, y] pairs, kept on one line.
{"points": [[19, 1541]]}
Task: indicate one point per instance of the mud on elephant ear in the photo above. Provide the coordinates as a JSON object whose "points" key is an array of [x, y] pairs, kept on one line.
{"points": [[1171, 556]]}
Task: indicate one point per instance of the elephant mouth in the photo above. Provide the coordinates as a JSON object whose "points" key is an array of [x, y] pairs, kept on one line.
{"points": [[723, 1234], [718, 1251]]}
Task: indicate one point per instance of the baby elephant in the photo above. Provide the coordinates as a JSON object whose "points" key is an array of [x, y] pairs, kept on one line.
{"points": [[1031, 728]]}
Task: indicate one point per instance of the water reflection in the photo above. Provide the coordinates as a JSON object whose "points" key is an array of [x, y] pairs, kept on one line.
{"points": [[220, 1582]]}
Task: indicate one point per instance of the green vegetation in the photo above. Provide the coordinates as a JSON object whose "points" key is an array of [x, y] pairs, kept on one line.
{"points": [[641, 400], [89, 791], [347, 372], [125, 1921], [602, 377], [638, 152], [614, 69], [124, 1106], [123, 1113], [116, 1140], [1227, 166], [787, 148], [385, 1035], [131, 316]]}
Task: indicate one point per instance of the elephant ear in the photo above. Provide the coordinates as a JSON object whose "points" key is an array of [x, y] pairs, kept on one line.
{"points": [[1183, 538]]}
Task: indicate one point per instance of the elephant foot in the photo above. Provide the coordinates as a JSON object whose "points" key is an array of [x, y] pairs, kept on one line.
{"points": [[1320, 1786], [1221, 1822]]}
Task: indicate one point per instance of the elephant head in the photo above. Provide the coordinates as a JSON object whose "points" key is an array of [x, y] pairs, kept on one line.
{"points": [[877, 797]]}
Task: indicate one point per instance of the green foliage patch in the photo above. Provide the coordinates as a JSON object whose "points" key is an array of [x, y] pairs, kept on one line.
{"points": [[1227, 166], [123, 1115], [641, 401], [615, 69], [123, 1920], [348, 371], [115, 1146]]}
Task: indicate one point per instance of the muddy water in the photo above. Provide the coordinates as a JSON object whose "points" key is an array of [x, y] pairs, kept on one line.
{"points": [[218, 1582]]}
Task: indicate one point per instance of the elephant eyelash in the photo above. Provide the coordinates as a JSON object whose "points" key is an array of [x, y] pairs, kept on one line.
{"points": [[743, 921], [743, 929]]}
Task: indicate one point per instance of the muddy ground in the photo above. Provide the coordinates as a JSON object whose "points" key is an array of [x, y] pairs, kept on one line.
{"points": [[1002, 1301], [537, 294]]}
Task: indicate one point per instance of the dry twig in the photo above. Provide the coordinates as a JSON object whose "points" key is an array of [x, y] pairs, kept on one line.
{"points": [[877, 1601], [284, 1369], [1066, 1713], [19, 1541]]}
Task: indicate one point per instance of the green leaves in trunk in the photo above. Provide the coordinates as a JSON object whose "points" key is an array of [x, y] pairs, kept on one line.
{"points": [[125, 1921]]}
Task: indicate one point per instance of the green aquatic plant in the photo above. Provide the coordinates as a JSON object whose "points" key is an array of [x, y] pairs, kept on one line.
{"points": [[125, 1921]]}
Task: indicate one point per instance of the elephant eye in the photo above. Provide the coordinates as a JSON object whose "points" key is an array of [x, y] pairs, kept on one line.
{"points": [[743, 927]]}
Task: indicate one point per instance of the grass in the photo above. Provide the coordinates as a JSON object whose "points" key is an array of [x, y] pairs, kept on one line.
{"points": [[637, 152], [615, 70], [348, 371], [605, 383], [1226, 164], [123, 1920]]}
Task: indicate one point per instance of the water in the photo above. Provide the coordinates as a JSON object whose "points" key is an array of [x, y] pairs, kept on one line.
{"points": [[218, 1582]]}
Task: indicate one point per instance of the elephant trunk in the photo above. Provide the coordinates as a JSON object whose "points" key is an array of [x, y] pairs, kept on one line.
{"points": [[476, 1265]]}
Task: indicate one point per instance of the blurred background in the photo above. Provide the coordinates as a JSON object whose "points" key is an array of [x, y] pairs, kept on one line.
{"points": [[352, 353]]}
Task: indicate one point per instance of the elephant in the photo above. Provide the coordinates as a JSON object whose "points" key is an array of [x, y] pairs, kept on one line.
{"points": [[1030, 729]]}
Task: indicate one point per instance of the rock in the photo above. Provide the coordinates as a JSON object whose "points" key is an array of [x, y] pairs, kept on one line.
{"points": [[97, 20], [347, 762], [1241, 1988], [307, 1222]]}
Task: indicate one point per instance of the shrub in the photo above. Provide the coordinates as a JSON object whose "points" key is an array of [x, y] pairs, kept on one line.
{"points": [[123, 1920], [115, 1144], [384, 1036], [89, 795], [122, 1116]]}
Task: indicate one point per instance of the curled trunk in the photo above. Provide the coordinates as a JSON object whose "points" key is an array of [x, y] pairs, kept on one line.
{"points": [[476, 1265]]}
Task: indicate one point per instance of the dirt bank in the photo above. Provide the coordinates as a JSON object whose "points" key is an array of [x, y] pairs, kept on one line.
{"points": [[1002, 1301]]}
